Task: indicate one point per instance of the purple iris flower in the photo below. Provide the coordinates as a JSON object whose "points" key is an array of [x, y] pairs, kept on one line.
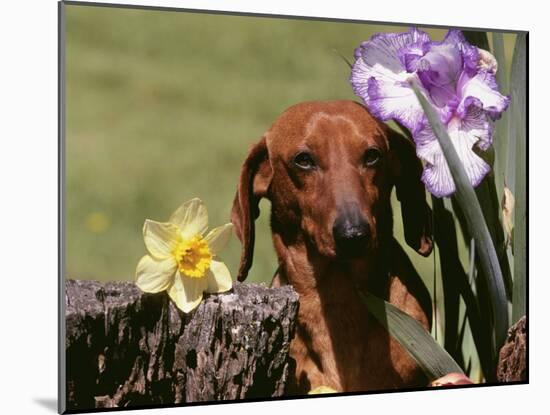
{"points": [[457, 78]]}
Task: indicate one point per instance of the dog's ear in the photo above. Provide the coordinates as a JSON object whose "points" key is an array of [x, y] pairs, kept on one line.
{"points": [[416, 214], [255, 178]]}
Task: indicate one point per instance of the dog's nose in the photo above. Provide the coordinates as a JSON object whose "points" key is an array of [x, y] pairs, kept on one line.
{"points": [[351, 232]]}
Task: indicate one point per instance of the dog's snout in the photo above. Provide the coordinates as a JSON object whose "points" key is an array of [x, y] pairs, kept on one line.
{"points": [[346, 230], [351, 232]]}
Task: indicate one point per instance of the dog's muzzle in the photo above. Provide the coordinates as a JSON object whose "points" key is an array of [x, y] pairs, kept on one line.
{"points": [[352, 232]]}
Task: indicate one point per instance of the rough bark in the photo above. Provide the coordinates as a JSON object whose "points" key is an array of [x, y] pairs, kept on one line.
{"points": [[127, 348], [512, 365]]}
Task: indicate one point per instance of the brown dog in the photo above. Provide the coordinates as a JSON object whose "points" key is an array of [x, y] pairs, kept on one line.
{"points": [[328, 169]]}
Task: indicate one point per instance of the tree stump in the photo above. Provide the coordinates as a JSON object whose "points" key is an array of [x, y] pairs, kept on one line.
{"points": [[512, 364], [127, 348]]}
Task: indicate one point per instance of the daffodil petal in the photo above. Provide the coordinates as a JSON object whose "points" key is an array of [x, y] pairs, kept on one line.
{"points": [[160, 238], [154, 276], [191, 217], [322, 389], [218, 278], [187, 292], [218, 237]]}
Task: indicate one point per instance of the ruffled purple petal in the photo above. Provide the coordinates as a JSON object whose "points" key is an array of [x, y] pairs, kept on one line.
{"points": [[387, 100], [379, 76], [359, 78], [411, 54], [447, 112], [444, 63], [470, 54], [410, 60], [464, 135], [478, 124], [482, 90], [439, 70], [385, 49], [436, 175]]}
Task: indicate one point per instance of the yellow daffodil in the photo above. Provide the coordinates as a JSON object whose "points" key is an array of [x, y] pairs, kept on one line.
{"points": [[319, 390], [181, 260]]}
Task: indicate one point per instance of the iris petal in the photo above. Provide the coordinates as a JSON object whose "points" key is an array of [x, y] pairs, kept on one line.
{"points": [[394, 100], [384, 50], [436, 175], [379, 76], [470, 54], [483, 89], [439, 70], [478, 125]]}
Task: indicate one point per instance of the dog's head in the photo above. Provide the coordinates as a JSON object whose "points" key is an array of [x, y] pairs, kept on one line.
{"points": [[328, 169]]}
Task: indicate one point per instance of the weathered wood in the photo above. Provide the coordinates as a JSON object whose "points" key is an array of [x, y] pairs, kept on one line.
{"points": [[127, 348], [512, 364]]}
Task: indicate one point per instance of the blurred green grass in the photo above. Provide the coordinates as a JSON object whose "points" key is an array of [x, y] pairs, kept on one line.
{"points": [[163, 106]]}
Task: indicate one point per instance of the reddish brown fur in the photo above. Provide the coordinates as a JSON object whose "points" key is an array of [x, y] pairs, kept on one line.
{"points": [[337, 343]]}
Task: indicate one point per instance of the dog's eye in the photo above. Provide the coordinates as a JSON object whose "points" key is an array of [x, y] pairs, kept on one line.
{"points": [[304, 161], [372, 155]]}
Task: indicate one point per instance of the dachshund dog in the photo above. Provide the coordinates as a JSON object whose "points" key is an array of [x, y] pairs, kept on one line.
{"points": [[328, 169]]}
